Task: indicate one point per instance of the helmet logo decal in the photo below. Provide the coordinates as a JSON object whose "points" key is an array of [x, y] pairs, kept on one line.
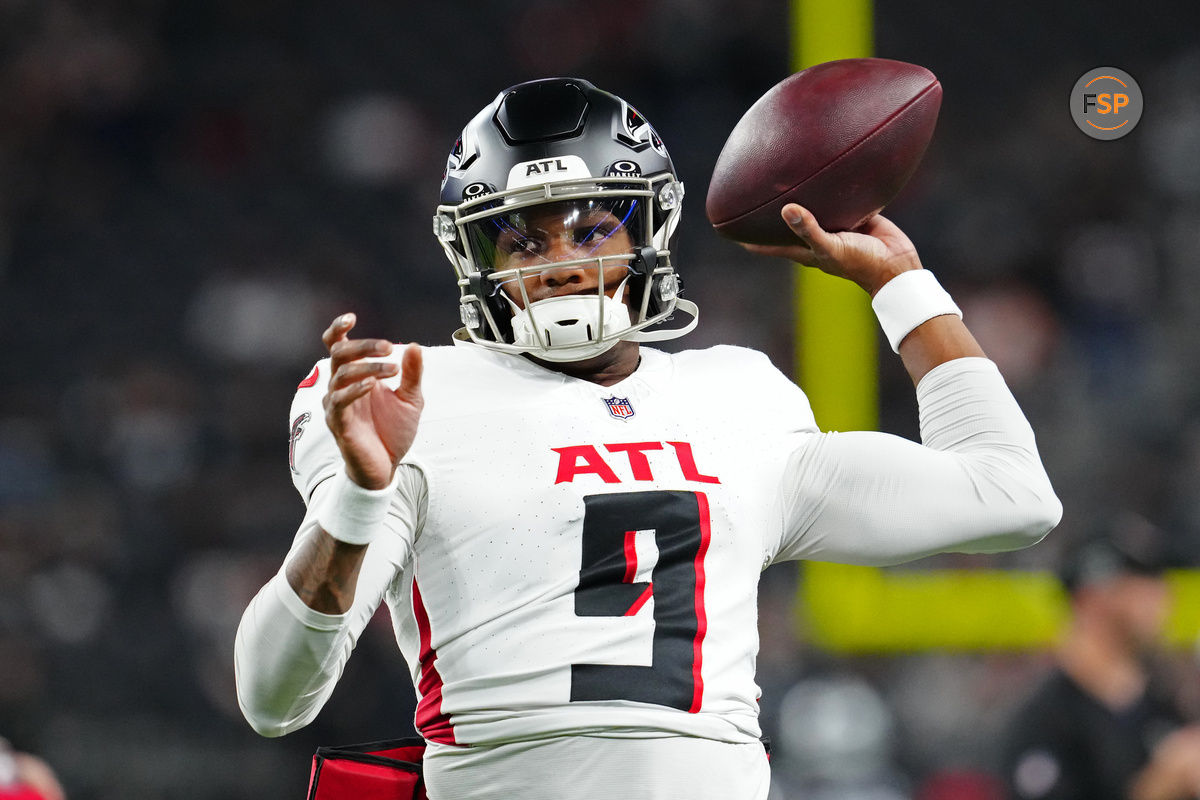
{"points": [[657, 144], [619, 407], [463, 154], [547, 170], [624, 169], [638, 132], [544, 167], [477, 189]]}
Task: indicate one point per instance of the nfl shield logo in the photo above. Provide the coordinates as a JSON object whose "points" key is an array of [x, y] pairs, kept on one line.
{"points": [[619, 407]]}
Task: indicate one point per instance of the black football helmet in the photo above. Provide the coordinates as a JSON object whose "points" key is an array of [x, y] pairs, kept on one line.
{"points": [[559, 149]]}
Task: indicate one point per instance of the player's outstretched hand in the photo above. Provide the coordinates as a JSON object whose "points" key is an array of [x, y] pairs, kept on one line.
{"points": [[374, 426], [870, 255]]}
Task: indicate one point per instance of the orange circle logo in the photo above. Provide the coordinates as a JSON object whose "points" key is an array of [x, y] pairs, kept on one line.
{"points": [[1106, 103]]}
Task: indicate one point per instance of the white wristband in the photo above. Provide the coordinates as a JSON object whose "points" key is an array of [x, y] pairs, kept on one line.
{"points": [[350, 513], [908, 300]]}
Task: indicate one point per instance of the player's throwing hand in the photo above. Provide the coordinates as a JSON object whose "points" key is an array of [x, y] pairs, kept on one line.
{"points": [[374, 426], [870, 255]]}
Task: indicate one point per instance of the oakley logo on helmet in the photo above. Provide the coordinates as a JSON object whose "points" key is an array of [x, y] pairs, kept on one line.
{"points": [[542, 170], [623, 169], [477, 189]]}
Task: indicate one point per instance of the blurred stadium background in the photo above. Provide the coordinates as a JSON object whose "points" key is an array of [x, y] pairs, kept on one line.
{"points": [[189, 191]]}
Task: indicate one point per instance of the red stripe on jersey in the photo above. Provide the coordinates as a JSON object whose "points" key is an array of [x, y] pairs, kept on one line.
{"points": [[311, 380], [630, 556], [641, 601], [432, 722], [701, 617]]}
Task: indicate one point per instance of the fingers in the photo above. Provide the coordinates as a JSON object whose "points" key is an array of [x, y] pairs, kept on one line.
{"points": [[343, 350], [356, 371], [412, 366], [337, 400], [799, 252], [338, 329], [356, 366], [805, 225]]}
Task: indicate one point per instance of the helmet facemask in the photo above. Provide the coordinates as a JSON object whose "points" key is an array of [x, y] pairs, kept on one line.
{"points": [[564, 271]]}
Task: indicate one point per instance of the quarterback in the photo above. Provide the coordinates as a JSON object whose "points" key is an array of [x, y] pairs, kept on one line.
{"points": [[570, 541]]}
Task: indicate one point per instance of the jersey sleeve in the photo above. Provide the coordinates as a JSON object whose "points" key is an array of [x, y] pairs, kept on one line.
{"points": [[975, 484], [313, 454], [287, 656]]}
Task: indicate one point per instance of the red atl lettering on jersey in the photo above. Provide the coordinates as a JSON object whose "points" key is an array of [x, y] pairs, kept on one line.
{"points": [[569, 465], [637, 457], [687, 463], [584, 459]]}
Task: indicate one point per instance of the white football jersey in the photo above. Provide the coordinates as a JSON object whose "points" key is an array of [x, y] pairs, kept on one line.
{"points": [[572, 569], [584, 559]]}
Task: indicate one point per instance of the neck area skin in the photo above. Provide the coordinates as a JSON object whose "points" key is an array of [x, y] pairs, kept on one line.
{"points": [[611, 366]]}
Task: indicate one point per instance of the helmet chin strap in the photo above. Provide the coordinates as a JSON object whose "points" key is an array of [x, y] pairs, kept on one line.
{"points": [[570, 327]]}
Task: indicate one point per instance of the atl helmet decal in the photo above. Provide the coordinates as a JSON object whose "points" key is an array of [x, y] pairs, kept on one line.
{"points": [[297, 431], [623, 169], [619, 407]]}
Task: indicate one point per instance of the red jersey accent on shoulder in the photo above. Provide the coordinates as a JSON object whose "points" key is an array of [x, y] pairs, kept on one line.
{"points": [[311, 380]]}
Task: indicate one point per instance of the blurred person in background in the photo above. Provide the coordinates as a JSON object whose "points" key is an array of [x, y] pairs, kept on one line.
{"points": [[1099, 727], [24, 776], [570, 547]]}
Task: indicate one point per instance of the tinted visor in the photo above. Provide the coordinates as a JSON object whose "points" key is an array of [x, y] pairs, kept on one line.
{"points": [[548, 233]]}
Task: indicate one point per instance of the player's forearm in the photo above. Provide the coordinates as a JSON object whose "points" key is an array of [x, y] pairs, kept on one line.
{"points": [[324, 572], [287, 658], [935, 342], [289, 653]]}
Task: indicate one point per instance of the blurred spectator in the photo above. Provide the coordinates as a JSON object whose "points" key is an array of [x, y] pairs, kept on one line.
{"points": [[835, 743], [26, 777], [1098, 727]]}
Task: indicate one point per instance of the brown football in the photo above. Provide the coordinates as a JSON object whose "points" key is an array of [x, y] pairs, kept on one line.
{"points": [[840, 138]]}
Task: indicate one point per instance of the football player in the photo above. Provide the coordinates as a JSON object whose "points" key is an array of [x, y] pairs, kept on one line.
{"points": [[570, 541]]}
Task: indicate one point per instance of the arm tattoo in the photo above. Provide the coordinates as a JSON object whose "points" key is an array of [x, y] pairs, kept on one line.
{"points": [[325, 572]]}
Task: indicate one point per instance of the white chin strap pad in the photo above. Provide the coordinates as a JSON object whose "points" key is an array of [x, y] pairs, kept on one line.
{"points": [[569, 320]]}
